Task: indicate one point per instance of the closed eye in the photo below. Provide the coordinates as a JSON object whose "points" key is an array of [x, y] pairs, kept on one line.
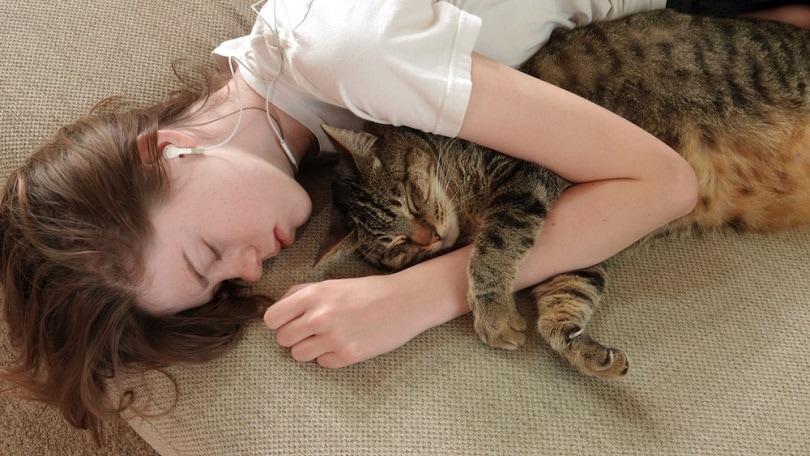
{"points": [[411, 207], [217, 257], [217, 253]]}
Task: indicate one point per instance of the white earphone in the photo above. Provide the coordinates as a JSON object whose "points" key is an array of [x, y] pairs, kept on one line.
{"points": [[172, 151]]}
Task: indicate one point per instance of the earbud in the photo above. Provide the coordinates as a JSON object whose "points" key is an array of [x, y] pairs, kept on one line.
{"points": [[172, 151]]}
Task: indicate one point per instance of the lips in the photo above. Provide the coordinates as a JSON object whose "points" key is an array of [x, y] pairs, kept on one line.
{"points": [[282, 237]]}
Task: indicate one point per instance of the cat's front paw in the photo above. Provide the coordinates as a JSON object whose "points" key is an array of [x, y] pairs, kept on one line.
{"points": [[499, 327]]}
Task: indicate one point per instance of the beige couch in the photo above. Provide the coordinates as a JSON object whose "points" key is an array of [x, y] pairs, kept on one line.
{"points": [[716, 328]]}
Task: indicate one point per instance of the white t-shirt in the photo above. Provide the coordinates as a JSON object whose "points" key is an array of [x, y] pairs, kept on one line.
{"points": [[398, 62]]}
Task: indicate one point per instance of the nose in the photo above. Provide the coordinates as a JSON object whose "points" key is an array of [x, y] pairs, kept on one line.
{"points": [[424, 233], [250, 265]]}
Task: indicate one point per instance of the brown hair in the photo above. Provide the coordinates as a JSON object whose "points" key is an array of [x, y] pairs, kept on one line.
{"points": [[73, 223]]}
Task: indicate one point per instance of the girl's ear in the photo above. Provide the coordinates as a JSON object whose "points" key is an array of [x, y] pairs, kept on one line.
{"points": [[144, 143]]}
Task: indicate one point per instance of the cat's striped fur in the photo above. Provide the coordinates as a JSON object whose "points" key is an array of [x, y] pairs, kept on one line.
{"points": [[730, 95]]}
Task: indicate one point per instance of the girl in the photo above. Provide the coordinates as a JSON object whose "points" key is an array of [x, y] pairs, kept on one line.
{"points": [[127, 239]]}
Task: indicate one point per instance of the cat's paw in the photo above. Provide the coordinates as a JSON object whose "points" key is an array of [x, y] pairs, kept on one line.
{"points": [[592, 358], [500, 328]]}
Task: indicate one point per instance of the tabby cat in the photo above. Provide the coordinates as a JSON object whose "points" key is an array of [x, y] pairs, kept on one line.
{"points": [[730, 95]]}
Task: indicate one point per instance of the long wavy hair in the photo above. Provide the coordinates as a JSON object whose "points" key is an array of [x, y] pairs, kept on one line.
{"points": [[73, 225]]}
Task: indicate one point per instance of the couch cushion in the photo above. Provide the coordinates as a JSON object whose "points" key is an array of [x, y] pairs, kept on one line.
{"points": [[716, 328]]}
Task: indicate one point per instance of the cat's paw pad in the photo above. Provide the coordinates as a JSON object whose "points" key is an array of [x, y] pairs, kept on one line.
{"points": [[501, 330]]}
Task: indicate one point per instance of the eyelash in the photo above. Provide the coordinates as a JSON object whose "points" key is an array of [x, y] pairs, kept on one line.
{"points": [[217, 257]]}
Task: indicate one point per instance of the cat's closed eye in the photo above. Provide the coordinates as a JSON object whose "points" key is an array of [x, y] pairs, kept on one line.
{"points": [[411, 206]]}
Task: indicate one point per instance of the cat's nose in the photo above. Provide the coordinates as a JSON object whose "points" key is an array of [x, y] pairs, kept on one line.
{"points": [[423, 233]]}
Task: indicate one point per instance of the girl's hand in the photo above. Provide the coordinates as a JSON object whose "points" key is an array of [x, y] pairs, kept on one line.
{"points": [[346, 321]]}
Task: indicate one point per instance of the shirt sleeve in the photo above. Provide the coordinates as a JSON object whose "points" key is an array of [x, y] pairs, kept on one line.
{"points": [[614, 9], [396, 62], [628, 7]]}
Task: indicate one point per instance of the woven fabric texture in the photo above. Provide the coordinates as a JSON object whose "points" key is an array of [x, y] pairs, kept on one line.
{"points": [[715, 328]]}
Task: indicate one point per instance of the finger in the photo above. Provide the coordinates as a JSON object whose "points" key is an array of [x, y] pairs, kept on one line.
{"points": [[332, 360], [295, 288], [285, 309], [294, 331], [309, 349]]}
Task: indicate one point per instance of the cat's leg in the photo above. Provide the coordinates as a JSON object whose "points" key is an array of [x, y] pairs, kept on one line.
{"points": [[498, 248], [491, 273], [566, 303]]}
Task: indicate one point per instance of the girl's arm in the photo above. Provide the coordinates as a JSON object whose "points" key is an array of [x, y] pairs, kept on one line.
{"points": [[797, 14], [528, 118], [636, 184]]}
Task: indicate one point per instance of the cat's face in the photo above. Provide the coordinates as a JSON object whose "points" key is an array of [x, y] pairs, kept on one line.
{"points": [[389, 197]]}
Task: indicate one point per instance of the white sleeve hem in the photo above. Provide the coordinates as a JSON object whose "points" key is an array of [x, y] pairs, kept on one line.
{"points": [[637, 6], [459, 85]]}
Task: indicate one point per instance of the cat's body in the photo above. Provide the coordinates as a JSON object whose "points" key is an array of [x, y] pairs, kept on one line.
{"points": [[731, 96]]}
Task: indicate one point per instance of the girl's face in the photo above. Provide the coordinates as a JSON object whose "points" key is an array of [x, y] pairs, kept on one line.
{"points": [[227, 212]]}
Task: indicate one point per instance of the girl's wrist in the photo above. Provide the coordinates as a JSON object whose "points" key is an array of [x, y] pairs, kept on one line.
{"points": [[436, 290]]}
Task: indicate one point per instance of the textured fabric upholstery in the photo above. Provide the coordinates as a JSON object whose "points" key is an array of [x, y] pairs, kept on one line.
{"points": [[716, 329]]}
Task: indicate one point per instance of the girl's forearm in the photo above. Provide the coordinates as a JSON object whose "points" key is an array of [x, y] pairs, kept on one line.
{"points": [[797, 14], [590, 223]]}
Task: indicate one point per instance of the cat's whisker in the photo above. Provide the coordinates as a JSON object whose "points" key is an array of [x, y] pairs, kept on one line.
{"points": [[441, 154], [444, 175]]}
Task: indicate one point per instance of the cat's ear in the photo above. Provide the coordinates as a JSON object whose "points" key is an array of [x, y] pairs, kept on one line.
{"points": [[358, 145], [339, 241], [336, 247]]}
